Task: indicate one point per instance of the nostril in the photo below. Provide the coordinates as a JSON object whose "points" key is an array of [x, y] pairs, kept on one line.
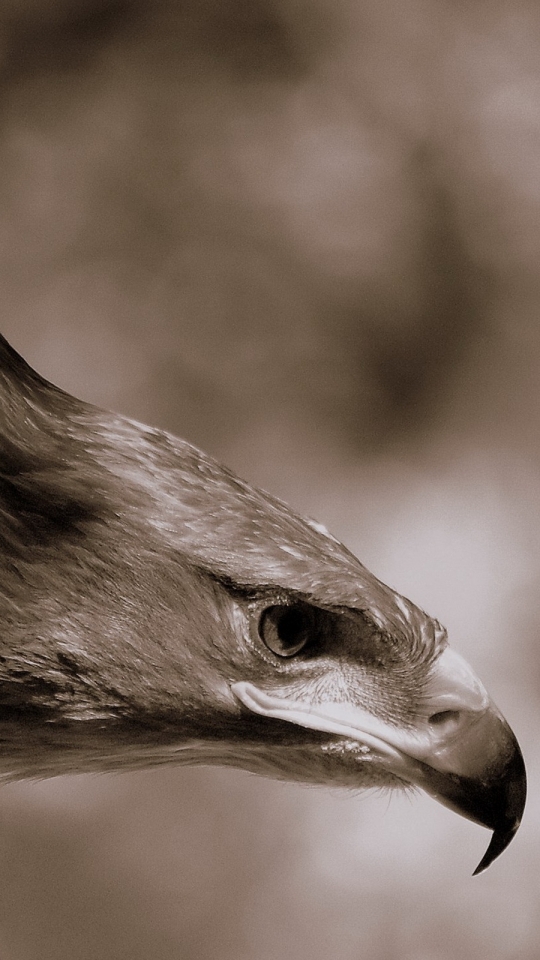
{"points": [[444, 717]]}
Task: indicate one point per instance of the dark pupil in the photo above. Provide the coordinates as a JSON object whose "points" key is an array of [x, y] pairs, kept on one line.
{"points": [[285, 629], [291, 625]]}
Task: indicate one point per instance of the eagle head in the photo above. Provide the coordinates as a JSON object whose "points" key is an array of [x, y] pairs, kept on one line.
{"points": [[155, 608]]}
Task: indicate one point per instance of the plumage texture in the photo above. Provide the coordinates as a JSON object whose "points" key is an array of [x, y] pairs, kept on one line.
{"points": [[128, 556]]}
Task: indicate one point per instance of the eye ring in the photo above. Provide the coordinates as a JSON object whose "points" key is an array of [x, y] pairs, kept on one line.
{"points": [[286, 629]]}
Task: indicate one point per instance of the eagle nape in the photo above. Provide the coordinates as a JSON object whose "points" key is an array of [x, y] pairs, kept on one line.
{"points": [[155, 608]]}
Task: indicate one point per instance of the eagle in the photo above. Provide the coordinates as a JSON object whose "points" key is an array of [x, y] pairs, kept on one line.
{"points": [[155, 608]]}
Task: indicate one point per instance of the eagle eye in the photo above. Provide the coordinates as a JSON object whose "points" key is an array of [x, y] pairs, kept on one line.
{"points": [[286, 629]]}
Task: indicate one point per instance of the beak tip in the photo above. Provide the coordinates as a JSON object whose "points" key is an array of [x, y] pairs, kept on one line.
{"points": [[515, 794], [499, 842]]}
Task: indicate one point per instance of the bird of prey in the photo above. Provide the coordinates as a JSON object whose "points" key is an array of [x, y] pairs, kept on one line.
{"points": [[155, 608]]}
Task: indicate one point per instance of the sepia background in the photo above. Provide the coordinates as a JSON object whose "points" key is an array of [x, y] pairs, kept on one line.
{"points": [[305, 235]]}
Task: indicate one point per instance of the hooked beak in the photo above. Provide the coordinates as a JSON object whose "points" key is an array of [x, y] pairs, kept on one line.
{"points": [[461, 750]]}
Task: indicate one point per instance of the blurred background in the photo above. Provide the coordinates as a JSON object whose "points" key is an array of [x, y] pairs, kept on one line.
{"points": [[305, 235]]}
